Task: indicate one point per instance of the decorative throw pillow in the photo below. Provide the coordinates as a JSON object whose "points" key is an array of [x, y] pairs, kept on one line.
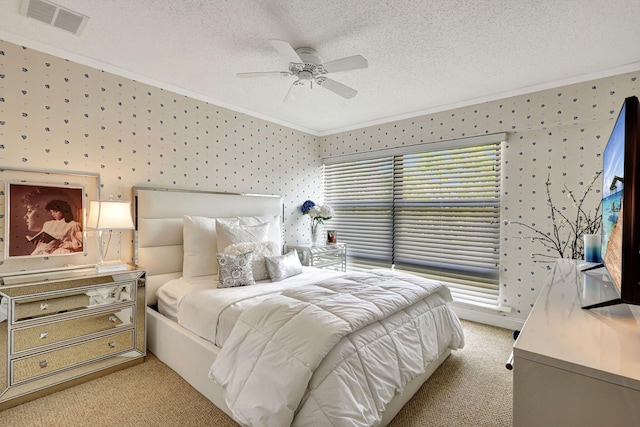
{"points": [[230, 234], [259, 251], [275, 226], [283, 266], [200, 248], [235, 270]]}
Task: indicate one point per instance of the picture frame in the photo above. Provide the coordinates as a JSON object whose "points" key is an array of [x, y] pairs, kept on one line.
{"points": [[44, 220], [332, 237]]}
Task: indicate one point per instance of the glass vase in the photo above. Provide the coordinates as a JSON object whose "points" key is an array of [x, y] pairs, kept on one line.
{"points": [[314, 234], [592, 244]]}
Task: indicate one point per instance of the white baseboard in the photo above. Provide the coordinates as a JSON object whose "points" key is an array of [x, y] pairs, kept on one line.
{"points": [[492, 319]]}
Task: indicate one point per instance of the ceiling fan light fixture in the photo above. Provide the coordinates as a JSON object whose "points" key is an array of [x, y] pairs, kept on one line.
{"points": [[305, 76]]}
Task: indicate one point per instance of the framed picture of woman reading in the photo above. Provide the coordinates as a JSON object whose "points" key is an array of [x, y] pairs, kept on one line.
{"points": [[44, 220]]}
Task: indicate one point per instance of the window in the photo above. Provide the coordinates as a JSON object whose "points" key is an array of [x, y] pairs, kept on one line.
{"points": [[361, 194], [433, 212]]}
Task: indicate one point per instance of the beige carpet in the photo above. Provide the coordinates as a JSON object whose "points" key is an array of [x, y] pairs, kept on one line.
{"points": [[471, 388]]}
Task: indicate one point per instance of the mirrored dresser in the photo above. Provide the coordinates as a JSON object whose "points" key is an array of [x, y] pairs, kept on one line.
{"points": [[60, 328]]}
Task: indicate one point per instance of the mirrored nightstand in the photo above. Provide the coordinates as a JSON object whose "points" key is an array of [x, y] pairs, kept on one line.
{"points": [[322, 256]]}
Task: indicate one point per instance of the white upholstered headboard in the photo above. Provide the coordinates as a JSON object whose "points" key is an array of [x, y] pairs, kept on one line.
{"points": [[158, 225]]}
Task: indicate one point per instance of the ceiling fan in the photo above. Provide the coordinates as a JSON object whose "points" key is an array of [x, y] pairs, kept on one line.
{"points": [[307, 68]]}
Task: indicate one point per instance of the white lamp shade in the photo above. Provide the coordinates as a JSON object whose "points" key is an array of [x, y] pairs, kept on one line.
{"points": [[109, 215]]}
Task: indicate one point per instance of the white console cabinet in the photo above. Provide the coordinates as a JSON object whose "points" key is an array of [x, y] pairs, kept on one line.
{"points": [[577, 367]]}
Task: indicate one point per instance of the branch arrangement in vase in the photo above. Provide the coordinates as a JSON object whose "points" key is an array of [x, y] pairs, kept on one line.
{"points": [[565, 240]]}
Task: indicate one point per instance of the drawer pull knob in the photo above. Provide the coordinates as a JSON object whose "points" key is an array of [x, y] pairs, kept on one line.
{"points": [[43, 363], [112, 344], [44, 306], [113, 319], [44, 334]]}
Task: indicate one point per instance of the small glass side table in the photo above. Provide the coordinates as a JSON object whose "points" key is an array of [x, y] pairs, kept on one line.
{"points": [[322, 256]]}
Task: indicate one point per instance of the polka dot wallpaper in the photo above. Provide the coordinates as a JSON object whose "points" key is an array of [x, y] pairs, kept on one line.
{"points": [[59, 115], [558, 133], [63, 116]]}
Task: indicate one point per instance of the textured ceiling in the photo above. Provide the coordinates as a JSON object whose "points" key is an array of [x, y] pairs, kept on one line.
{"points": [[424, 55]]}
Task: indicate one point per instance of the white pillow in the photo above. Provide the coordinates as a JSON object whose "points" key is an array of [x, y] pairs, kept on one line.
{"points": [[275, 226], [283, 266], [200, 245], [259, 251], [230, 234]]}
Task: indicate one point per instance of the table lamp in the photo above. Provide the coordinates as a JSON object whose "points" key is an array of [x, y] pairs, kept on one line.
{"points": [[109, 215]]}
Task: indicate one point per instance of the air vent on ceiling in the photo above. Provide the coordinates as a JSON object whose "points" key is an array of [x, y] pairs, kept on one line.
{"points": [[54, 14]]}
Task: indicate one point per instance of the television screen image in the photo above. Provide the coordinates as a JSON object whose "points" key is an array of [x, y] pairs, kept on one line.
{"points": [[612, 196], [621, 206]]}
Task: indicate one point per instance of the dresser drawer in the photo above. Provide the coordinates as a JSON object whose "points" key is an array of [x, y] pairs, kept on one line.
{"points": [[40, 335], [56, 360], [73, 300]]}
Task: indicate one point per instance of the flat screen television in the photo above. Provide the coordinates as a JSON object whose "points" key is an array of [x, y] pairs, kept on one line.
{"points": [[621, 206]]}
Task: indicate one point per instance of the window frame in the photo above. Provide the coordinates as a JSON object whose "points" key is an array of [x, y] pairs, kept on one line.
{"points": [[480, 284]]}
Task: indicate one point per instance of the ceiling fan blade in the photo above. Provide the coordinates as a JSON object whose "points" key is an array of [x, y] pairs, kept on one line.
{"points": [[355, 62], [286, 51], [264, 74], [294, 91], [335, 87]]}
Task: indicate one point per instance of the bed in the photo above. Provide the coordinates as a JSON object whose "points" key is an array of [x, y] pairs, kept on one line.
{"points": [[213, 359]]}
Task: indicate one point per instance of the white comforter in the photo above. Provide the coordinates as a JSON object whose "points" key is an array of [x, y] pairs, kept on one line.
{"points": [[212, 312], [336, 352]]}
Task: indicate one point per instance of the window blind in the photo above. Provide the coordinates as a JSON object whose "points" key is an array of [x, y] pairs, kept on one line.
{"points": [[432, 213], [361, 194]]}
